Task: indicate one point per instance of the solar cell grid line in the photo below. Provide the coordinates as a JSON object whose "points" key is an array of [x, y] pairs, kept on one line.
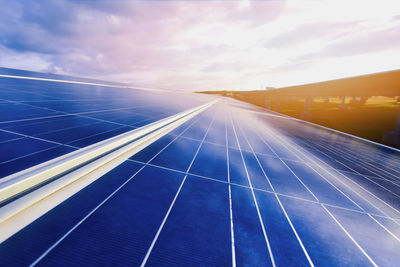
{"points": [[28, 160], [361, 146], [358, 144], [375, 239], [38, 151], [212, 156], [206, 142], [390, 170], [46, 123], [22, 112], [5, 140], [149, 118], [117, 130], [257, 189], [199, 140], [69, 135], [40, 257], [369, 215], [64, 115], [230, 193], [280, 194], [342, 182], [174, 200], [33, 137], [47, 130], [4, 137], [364, 153], [52, 92], [36, 105], [358, 149], [375, 178], [67, 113], [217, 133], [64, 100], [128, 118], [284, 161], [317, 152], [100, 161], [369, 202], [350, 168], [365, 176], [46, 117], [364, 189], [281, 206], [309, 164], [376, 165], [22, 135], [253, 195], [52, 141], [359, 161], [35, 152], [55, 126], [244, 150], [74, 82], [390, 232], [355, 191], [283, 152], [389, 182], [191, 174], [340, 139], [340, 225]]}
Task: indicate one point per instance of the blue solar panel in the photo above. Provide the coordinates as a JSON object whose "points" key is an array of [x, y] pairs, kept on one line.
{"points": [[72, 116], [234, 184], [25, 73]]}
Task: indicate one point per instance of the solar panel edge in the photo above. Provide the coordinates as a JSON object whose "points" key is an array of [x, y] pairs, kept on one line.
{"points": [[15, 207]]}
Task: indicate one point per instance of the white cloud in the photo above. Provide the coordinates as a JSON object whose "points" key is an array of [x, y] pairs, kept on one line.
{"points": [[198, 45]]}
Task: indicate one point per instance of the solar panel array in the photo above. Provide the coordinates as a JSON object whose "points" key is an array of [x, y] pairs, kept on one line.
{"points": [[41, 120], [234, 185]]}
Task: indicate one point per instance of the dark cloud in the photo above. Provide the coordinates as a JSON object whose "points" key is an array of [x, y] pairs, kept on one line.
{"points": [[37, 26], [57, 17]]}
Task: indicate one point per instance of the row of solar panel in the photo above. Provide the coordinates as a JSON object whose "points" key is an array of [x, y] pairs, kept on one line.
{"points": [[41, 120], [268, 189], [93, 228], [25, 73]]}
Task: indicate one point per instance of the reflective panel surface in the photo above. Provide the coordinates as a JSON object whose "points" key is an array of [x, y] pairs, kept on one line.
{"points": [[234, 185]]}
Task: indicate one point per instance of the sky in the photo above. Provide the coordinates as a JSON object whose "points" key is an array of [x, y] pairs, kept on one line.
{"points": [[202, 45]]}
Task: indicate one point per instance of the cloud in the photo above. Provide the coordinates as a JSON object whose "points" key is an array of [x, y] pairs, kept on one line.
{"points": [[310, 31], [17, 60], [365, 42], [359, 43], [187, 44], [257, 14], [55, 17]]}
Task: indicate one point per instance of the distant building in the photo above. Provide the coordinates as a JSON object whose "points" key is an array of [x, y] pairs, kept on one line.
{"points": [[269, 88]]}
